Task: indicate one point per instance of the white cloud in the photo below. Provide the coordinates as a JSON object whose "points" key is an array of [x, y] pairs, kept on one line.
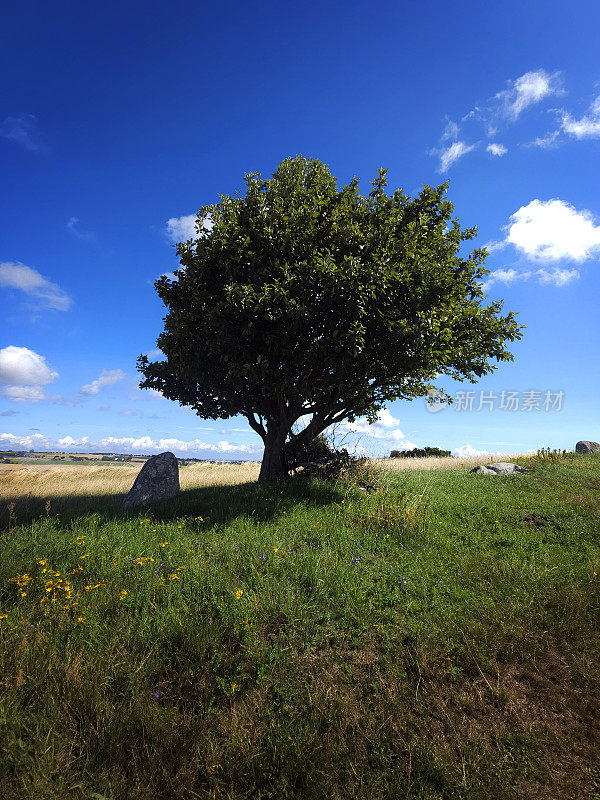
{"points": [[130, 444], [26, 373], [552, 230], [147, 444], [18, 276], [530, 88], [587, 126], [180, 229], [85, 236], [24, 394], [450, 131], [69, 441], [555, 277], [451, 154], [34, 442], [22, 130], [23, 366], [383, 429], [546, 142], [496, 149], [107, 378], [466, 451]]}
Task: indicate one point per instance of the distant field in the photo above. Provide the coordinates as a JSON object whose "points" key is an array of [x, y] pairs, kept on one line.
{"points": [[108, 478]]}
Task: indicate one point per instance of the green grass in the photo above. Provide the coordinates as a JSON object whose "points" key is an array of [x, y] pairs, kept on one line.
{"points": [[438, 639]]}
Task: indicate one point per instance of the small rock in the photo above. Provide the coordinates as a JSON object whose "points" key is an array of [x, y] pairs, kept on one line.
{"points": [[587, 447], [499, 468], [157, 480]]}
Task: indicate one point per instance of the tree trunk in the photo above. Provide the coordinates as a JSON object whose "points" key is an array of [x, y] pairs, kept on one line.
{"points": [[274, 463]]}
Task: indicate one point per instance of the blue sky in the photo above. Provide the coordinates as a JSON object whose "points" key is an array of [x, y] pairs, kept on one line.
{"points": [[119, 121]]}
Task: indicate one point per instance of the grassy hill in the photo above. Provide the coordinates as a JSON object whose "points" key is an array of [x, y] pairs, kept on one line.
{"points": [[436, 639]]}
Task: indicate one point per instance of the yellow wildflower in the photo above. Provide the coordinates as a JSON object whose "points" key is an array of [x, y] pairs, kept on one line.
{"points": [[239, 593]]}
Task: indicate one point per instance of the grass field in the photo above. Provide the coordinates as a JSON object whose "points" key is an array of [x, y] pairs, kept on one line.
{"points": [[436, 639]]}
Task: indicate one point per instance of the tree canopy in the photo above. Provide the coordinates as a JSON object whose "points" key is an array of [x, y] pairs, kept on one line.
{"points": [[302, 300]]}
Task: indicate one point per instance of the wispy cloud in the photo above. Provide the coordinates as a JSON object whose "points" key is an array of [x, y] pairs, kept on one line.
{"points": [[450, 155], [107, 378], [15, 275], [546, 142], [84, 236], [554, 277], [496, 149], [586, 127], [529, 89], [503, 109], [22, 130]]}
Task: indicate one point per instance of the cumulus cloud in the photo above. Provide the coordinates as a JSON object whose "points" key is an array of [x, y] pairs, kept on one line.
{"points": [[147, 444], [22, 130], [35, 441], [496, 149], [129, 444], [107, 378], [15, 275], [8, 413], [552, 230], [25, 373], [586, 127], [384, 429], [466, 451], [180, 229], [20, 365], [529, 89], [84, 236], [451, 154]]}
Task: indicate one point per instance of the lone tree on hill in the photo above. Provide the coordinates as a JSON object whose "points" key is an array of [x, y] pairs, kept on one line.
{"points": [[302, 300]]}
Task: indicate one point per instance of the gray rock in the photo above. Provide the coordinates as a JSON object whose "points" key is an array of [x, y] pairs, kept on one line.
{"points": [[587, 447], [499, 468], [157, 480], [483, 471]]}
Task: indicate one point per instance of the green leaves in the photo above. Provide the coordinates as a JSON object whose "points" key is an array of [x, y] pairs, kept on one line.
{"points": [[302, 295]]}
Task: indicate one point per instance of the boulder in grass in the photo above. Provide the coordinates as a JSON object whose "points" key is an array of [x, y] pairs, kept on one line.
{"points": [[157, 480], [499, 468], [587, 447]]}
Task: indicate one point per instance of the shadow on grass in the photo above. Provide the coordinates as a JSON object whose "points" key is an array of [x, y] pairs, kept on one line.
{"points": [[217, 504]]}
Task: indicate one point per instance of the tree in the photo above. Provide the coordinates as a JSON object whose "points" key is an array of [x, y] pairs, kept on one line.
{"points": [[304, 301]]}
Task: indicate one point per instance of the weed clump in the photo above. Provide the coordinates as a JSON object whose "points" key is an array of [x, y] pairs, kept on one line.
{"points": [[320, 459]]}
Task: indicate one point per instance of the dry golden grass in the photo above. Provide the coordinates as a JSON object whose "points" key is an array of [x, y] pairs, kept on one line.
{"points": [[49, 481], [435, 462]]}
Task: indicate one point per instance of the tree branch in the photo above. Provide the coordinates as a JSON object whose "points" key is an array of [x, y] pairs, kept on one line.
{"points": [[255, 425]]}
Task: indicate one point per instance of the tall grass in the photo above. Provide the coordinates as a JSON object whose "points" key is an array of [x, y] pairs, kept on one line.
{"points": [[435, 639]]}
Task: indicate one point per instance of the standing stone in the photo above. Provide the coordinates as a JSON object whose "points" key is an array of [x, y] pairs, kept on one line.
{"points": [[587, 447], [157, 480]]}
